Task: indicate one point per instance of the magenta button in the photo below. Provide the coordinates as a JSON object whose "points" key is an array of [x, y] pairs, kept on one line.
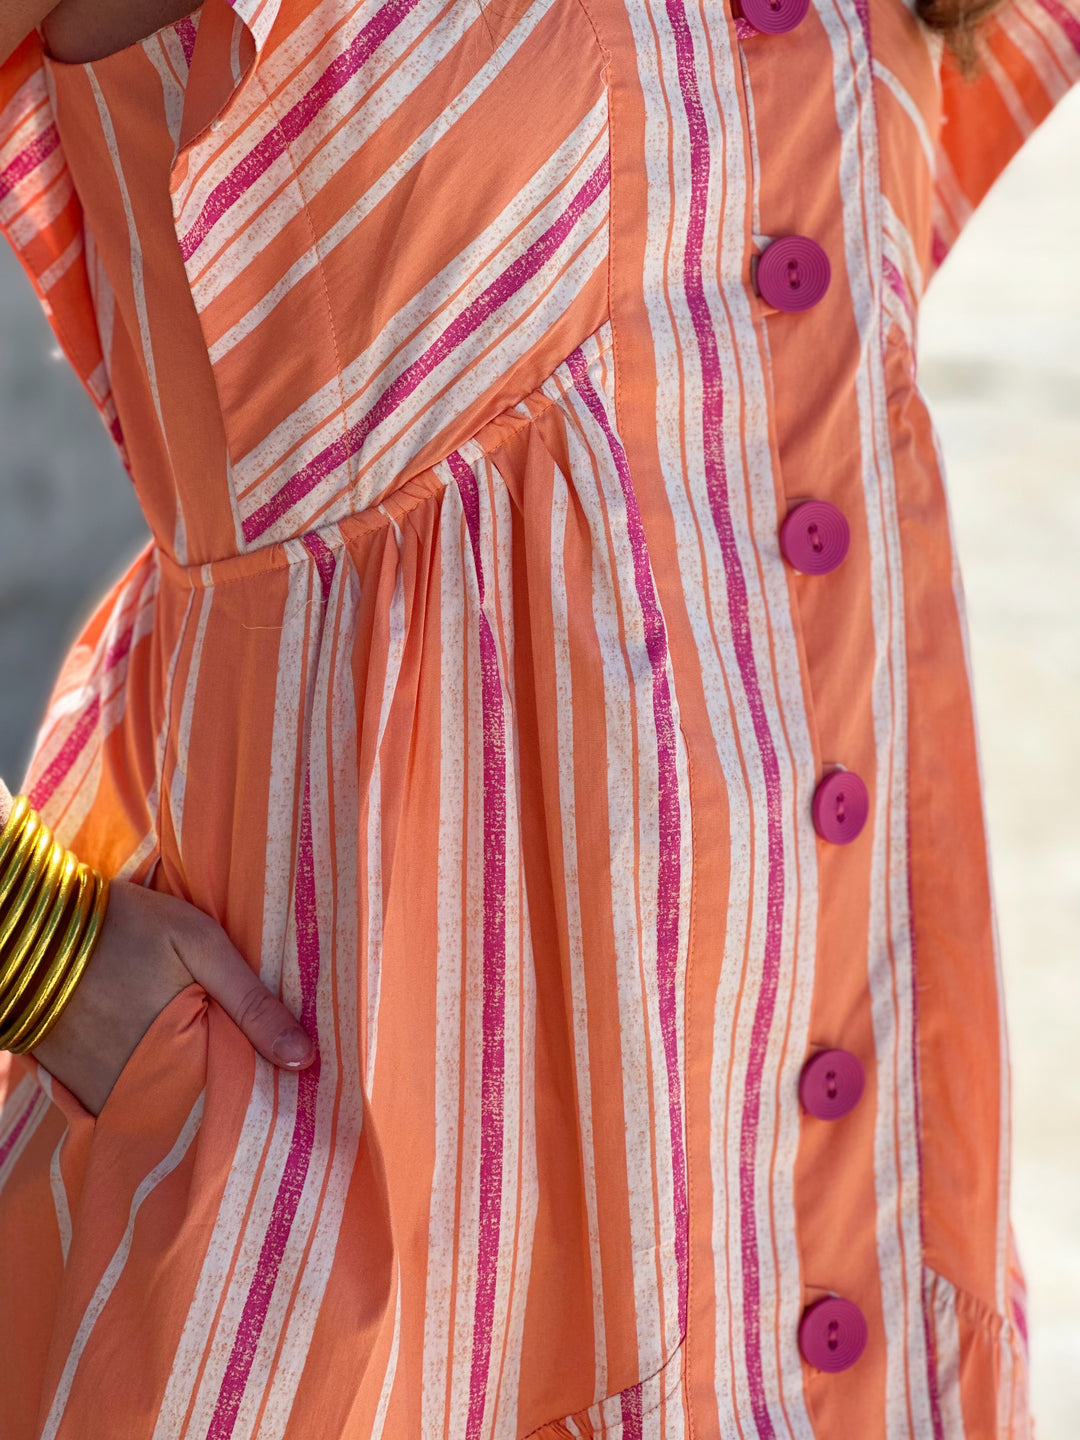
{"points": [[774, 17], [793, 273], [840, 807], [832, 1334], [814, 537], [831, 1083]]}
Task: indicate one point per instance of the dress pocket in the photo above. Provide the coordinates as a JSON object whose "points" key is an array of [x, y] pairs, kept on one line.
{"points": [[620, 1417], [137, 1191]]}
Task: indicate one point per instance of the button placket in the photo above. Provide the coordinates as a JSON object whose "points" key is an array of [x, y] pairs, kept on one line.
{"points": [[791, 274]]}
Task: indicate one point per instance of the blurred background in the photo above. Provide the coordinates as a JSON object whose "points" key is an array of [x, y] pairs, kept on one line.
{"points": [[1001, 367]]}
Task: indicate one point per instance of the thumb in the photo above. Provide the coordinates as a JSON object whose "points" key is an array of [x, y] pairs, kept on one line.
{"points": [[225, 975]]}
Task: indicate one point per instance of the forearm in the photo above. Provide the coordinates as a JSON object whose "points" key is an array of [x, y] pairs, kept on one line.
{"points": [[17, 19]]}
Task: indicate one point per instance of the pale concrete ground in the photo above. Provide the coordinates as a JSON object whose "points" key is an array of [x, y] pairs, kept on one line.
{"points": [[1001, 364]]}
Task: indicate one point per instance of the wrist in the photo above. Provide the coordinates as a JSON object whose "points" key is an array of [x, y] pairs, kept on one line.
{"points": [[51, 912]]}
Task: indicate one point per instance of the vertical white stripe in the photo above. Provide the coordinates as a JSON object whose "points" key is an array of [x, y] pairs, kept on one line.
{"points": [[947, 1347], [390, 1376], [60, 1200], [56, 1177], [166, 53], [374, 862], [182, 731], [910, 109], [564, 721], [449, 977]]}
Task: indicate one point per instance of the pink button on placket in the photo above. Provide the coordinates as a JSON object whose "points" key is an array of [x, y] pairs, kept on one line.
{"points": [[832, 1334], [831, 1084], [840, 807], [793, 273], [772, 17], [815, 537]]}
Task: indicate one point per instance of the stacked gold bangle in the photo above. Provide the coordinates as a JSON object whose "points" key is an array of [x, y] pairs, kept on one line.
{"points": [[51, 911]]}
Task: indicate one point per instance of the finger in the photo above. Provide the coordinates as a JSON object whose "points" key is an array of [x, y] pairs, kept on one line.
{"points": [[270, 1026]]}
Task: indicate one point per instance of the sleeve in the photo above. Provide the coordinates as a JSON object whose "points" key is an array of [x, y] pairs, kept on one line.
{"points": [[1028, 58]]}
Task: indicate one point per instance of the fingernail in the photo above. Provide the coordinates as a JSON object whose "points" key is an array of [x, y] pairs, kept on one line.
{"points": [[292, 1047]]}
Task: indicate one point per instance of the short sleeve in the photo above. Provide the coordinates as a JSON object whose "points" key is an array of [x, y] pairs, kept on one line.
{"points": [[42, 218], [1028, 57]]}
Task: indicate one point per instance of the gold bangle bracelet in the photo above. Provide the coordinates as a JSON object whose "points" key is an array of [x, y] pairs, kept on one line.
{"points": [[12, 1012], [85, 952], [50, 978], [40, 1001], [19, 931], [52, 907], [42, 861], [21, 851], [20, 809]]}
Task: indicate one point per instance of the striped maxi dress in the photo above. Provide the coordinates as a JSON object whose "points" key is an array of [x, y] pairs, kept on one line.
{"points": [[465, 683]]}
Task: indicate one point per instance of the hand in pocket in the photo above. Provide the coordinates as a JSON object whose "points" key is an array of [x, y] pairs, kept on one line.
{"points": [[153, 946]]}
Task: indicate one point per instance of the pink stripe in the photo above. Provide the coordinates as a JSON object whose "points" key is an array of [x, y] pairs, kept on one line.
{"points": [[28, 160], [187, 31], [669, 859], [301, 1145], [506, 285], [36, 1099], [83, 728], [630, 1405], [292, 125], [323, 556], [738, 612], [897, 285], [1065, 20], [494, 1016], [69, 752], [1019, 1315]]}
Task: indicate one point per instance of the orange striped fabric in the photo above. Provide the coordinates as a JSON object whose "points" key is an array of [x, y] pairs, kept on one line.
{"points": [[464, 681]]}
